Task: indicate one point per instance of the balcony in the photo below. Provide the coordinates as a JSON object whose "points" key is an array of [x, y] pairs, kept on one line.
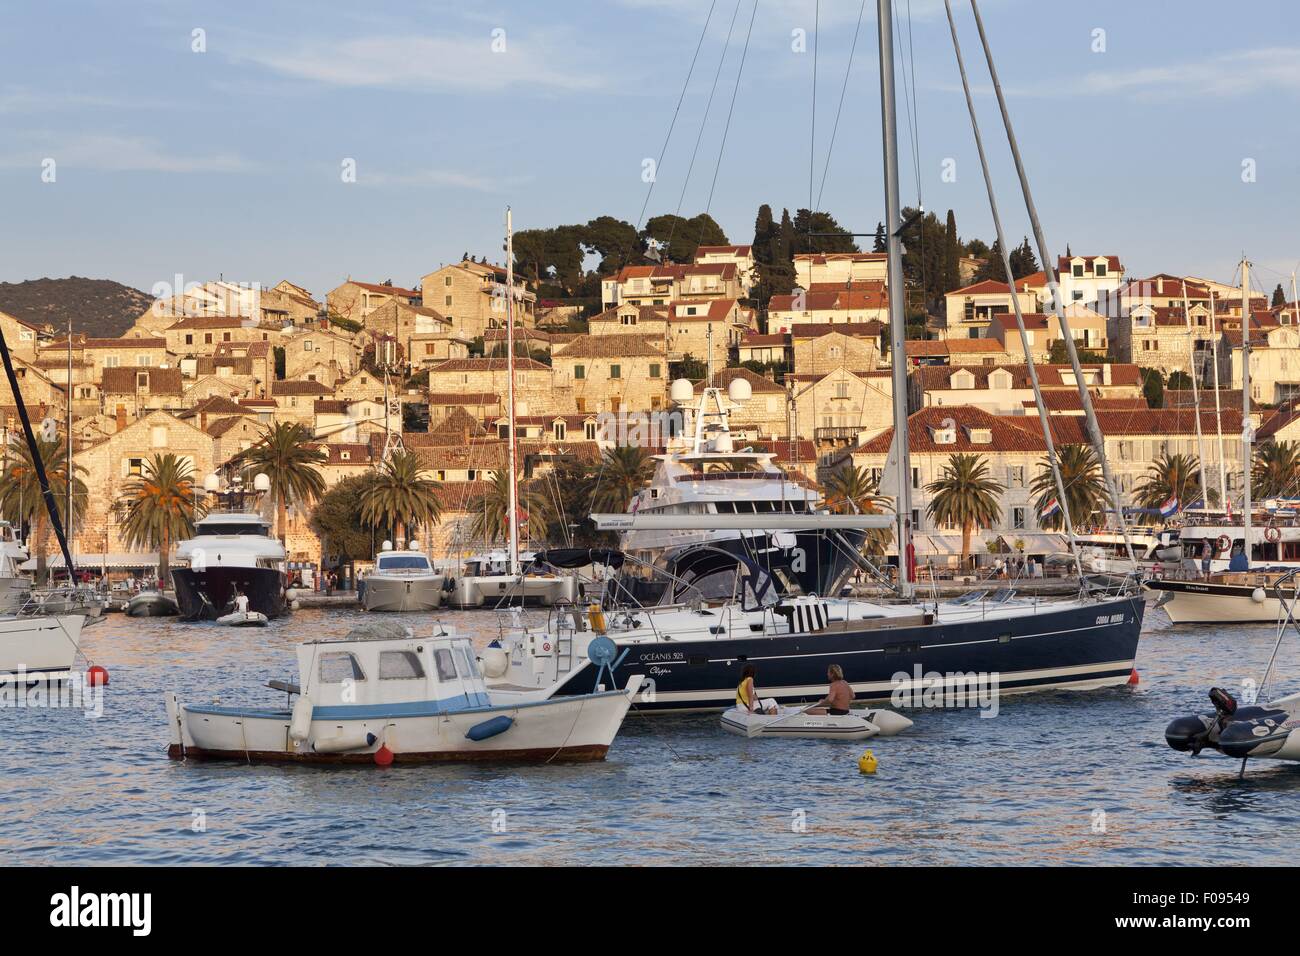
{"points": [[838, 433]]}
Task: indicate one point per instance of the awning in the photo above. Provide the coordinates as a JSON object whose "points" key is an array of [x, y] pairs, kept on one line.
{"points": [[945, 544], [1034, 543], [92, 561]]}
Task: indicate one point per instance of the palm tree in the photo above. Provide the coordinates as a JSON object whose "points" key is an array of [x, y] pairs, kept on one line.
{"points": [[21, 501], [624, 470], [397, 496], [1085, 487], [853, 490], [285, 457], [492, 509], [161, 507], [1275, 472], [1170, 476], [965, 496]]}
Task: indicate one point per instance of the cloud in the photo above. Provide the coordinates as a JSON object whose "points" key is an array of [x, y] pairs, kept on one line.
{"points": [[442, 177], [1274, 69], [422, 63], [112, 153]]}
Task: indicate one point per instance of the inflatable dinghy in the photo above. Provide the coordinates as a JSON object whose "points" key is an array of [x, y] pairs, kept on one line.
{"points": [[243, 619], [792, 722]]}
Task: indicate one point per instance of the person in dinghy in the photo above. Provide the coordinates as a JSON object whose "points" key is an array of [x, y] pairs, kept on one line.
{"points": [[747, 694], [839, 698]]}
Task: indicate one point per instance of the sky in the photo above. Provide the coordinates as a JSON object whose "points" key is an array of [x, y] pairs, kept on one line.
{"points": [[143, 140]]}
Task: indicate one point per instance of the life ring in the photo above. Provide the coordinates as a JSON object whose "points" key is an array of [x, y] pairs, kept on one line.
{"points": [[1224, 542], [1273, 534]]}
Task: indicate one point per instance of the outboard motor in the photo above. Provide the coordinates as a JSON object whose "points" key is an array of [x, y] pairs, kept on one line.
{"points": [[1199, 731]]}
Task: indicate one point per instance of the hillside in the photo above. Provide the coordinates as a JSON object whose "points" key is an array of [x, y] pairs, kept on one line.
{"points": [[100, 308]]}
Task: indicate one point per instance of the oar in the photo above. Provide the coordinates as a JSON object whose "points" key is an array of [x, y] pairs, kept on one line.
{"points": [[754, 729]]}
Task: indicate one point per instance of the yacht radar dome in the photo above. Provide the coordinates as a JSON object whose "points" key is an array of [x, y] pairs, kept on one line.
{"points": [[740, 390], [262, 482], [212, 482], [682, 391], [386, 546]]}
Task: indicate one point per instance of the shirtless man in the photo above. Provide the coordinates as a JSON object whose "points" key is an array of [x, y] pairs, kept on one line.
{"points": [[840, 697]]}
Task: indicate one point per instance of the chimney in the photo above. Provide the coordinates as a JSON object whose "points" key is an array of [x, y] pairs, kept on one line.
{"points": [[1160, 285], [121, 417], [203, 420], [1105, 373]]}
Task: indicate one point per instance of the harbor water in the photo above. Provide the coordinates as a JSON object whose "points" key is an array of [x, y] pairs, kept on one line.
{"points": [[1054, 778]]}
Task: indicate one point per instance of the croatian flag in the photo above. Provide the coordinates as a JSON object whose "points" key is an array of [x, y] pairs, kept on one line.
{"points": [[1170, 507], [1049, 509]]}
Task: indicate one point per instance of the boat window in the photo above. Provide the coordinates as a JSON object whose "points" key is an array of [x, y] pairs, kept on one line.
{"points": [[403, 562], [232, 527], [468, 669], [338, 666], [399, 665], [446, 664]]}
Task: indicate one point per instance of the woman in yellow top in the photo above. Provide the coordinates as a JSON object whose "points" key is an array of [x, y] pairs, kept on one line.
{"points": [[747, 695]]}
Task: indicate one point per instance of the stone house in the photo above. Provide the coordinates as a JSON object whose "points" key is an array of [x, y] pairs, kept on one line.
{"points": [[787, 312], [842, 406], [819, 348], [295, 400], [839, 268], [204, 335], [611, 373], [138, 391], [471, 296], [538, 388], [309, 347], [662, 284], [288, 304], [354, 300]]}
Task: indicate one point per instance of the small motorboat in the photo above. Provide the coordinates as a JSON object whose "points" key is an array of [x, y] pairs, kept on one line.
{"points": [[384, 695], [152, 604], [797, 722], [244, 619]]}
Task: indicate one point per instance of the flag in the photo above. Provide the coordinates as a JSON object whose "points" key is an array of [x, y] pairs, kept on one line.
{"points": [[1049, 509], [1170, 507]]}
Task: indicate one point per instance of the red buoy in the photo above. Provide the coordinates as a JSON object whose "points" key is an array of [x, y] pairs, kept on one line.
{"points": [[1133, 678], [383, 756], [96, 676]]}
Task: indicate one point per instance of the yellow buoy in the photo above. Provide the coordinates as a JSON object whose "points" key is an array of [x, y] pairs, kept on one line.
{"points": [[868, 763]]}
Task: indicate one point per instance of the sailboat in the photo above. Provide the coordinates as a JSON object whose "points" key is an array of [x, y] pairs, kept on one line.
{"points": [[496, 579], [1240, 594], [980, 645]]}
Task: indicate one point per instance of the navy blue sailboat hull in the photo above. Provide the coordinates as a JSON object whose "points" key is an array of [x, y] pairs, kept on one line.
{"points": [[1080, 647]]}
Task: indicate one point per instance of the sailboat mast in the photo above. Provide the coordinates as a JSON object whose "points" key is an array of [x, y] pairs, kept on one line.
{"points": [[68, 510], [894, 283], [1054, 284], [1196, 398], [1218, 407], [1247, 430], [510, 392]]}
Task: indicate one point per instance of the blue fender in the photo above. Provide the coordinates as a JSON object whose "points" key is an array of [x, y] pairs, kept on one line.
{"points": [[490, 728]]}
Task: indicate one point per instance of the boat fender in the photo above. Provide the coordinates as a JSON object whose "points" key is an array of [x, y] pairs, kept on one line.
{"points": [[597, 619], [490, 728], [495, 662], [340, 743], [1258, 595], [300, 725]]}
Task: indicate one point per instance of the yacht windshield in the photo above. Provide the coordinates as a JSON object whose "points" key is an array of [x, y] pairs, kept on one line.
{"points": [[232, 526], [404, 562]]}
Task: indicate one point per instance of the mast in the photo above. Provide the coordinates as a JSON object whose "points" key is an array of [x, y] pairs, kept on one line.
{"points": [[510, 392], [1066, 521], [1247, 430], [1218, 409], [1196, 399], [68, 426], [894, 284], [1044, 253]]}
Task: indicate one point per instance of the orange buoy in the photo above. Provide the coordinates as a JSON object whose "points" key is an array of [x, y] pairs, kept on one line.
{"points": [[383, 756], [1133, 679], [97, 676]]}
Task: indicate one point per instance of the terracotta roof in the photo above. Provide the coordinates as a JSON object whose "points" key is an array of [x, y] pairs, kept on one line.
{"points": [[609, 346], [753, 339], [222, 425], [385, 289], [1049, 376], [142, 343], [212, 322], [1007, 434], [719, 310], [677, 271], [123, 380], [1063, 263], [821, 258], [842, 300], [489, 365], [812, 330], [214, 405], [292, 387], [758, 383], [499, 335], [464, 398], [330, 406], [724, 250], [987, 287]]}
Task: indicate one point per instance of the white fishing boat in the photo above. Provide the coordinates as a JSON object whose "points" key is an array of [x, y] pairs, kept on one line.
{"points": [[384, 695], [403, 580], [798, 722], [39, 647]]}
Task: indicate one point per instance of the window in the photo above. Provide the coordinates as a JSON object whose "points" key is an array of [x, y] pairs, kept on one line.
{"points": [[158, 436], [655, 371], [145, 360], [134, 467], [916, 519], [446, 280], [616, 371], [338, 666], [445, 663], [559, 431], [142, 380], [589, 430], [189, 340], [110, 361], [400, 665], [916, 477], [306, 345], [446, 301], [1099, 269], [579, 371], [1076, 296], [1077, 271], [1018, 519]]}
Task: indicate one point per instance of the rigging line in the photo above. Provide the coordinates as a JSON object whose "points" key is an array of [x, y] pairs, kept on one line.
{"points": [[909, 105], [836, 125], [812, 132], [730, 111], [671, 125], [704, 121]]}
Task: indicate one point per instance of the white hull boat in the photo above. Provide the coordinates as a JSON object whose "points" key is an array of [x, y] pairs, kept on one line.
{"points": [[383, 695], [39, 648], [794, 722], [491, 590], [1232, 597], [403, 580], [244, 619]]}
